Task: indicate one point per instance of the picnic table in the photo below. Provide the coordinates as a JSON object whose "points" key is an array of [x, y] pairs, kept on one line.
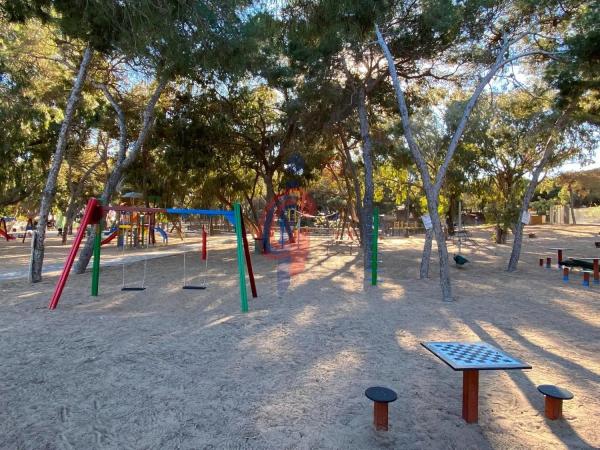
{"points": [[596, 268], [560, 253], [470, 358]]}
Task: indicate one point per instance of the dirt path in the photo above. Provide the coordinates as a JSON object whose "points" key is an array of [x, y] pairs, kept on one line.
{"points": [[168, 368]]}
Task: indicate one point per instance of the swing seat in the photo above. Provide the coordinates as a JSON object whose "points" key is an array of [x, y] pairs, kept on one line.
{"points": [[194, 287], [133, 288]]}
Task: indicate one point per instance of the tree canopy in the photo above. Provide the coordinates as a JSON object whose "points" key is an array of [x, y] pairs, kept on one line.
{"points": [[412, 107]]}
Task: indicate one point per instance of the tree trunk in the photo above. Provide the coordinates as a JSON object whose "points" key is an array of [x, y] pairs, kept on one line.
{"points": [[452, 211], [356, 186], [424, 271], [572, 205], [407, 213], [124, 160], [500, 234], [69, 218], [76, 197], [49, 191], [518, 233], [440, 239], [367, 203], [268, 178], [432, 189], [342, 214]]}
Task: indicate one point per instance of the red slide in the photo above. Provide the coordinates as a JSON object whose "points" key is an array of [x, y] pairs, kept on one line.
{"points": [[110, 237], [3, 234]]}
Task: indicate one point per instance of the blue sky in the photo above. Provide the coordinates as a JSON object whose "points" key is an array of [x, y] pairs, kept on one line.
{"points": [[576, 166]]}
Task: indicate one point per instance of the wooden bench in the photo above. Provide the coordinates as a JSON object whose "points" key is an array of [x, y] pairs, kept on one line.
{"points": [[578, 263]]}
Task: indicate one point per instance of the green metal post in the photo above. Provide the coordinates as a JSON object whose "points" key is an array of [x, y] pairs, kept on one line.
{"points": [[240, 257], [374, 238], [96, 263]]}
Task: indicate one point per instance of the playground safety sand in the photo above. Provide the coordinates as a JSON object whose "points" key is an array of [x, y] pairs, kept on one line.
{"points": [[166, 368]]}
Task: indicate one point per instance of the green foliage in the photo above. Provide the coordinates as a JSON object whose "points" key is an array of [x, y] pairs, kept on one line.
{"points": [[31, 102], [576, 73], [506, 139], [542, 206]]}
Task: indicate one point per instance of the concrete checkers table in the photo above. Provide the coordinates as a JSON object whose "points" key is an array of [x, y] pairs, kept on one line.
{"points": [[470, 358], [560, 251]]}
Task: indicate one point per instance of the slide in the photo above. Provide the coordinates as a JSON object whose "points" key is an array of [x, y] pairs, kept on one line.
{"points": [[110, 237], [3, 234], [163, 234]]}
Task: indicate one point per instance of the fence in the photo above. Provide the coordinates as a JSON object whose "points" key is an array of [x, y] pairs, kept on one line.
{"points": [[561, 214]]}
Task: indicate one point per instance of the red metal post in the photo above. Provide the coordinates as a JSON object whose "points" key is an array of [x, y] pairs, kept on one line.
{"points": [[89, 215], [586, 278], [380, 416], [559, 257], [248, 260], [3, 222], [553, 408], [470, 409], [203, 244]]}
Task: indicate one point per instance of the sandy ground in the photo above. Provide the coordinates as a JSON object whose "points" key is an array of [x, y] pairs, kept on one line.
{"points": [[167, 368]]}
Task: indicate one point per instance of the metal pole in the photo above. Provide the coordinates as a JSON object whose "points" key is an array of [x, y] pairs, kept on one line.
{"points": [[96, 263], [374, 239], [240, 257], [460, 236], [184, 270], [87, 217], [248, 260]]}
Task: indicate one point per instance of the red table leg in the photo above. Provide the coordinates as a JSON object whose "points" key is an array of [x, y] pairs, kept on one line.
{"points": [[553, 408], [470, 406], [380, 416], [559, 258], [586, 279]]}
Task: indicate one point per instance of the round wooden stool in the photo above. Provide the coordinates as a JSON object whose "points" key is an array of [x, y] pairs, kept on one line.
{"points": [[381, 396], [554, 399]]}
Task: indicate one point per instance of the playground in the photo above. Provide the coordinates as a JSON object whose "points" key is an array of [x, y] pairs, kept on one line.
{"points": [[169, 368], [299, 225]]}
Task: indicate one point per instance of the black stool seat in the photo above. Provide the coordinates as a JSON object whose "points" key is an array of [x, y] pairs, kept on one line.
{"points": [[555, 392], [381, 394]]}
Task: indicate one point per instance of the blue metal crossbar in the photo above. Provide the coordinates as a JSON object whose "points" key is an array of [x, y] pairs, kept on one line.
{"points": [[229, 215]]}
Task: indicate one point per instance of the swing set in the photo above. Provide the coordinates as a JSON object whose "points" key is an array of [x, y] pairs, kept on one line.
{"points": [[94, 215], [204, 258], [4, 230]]}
